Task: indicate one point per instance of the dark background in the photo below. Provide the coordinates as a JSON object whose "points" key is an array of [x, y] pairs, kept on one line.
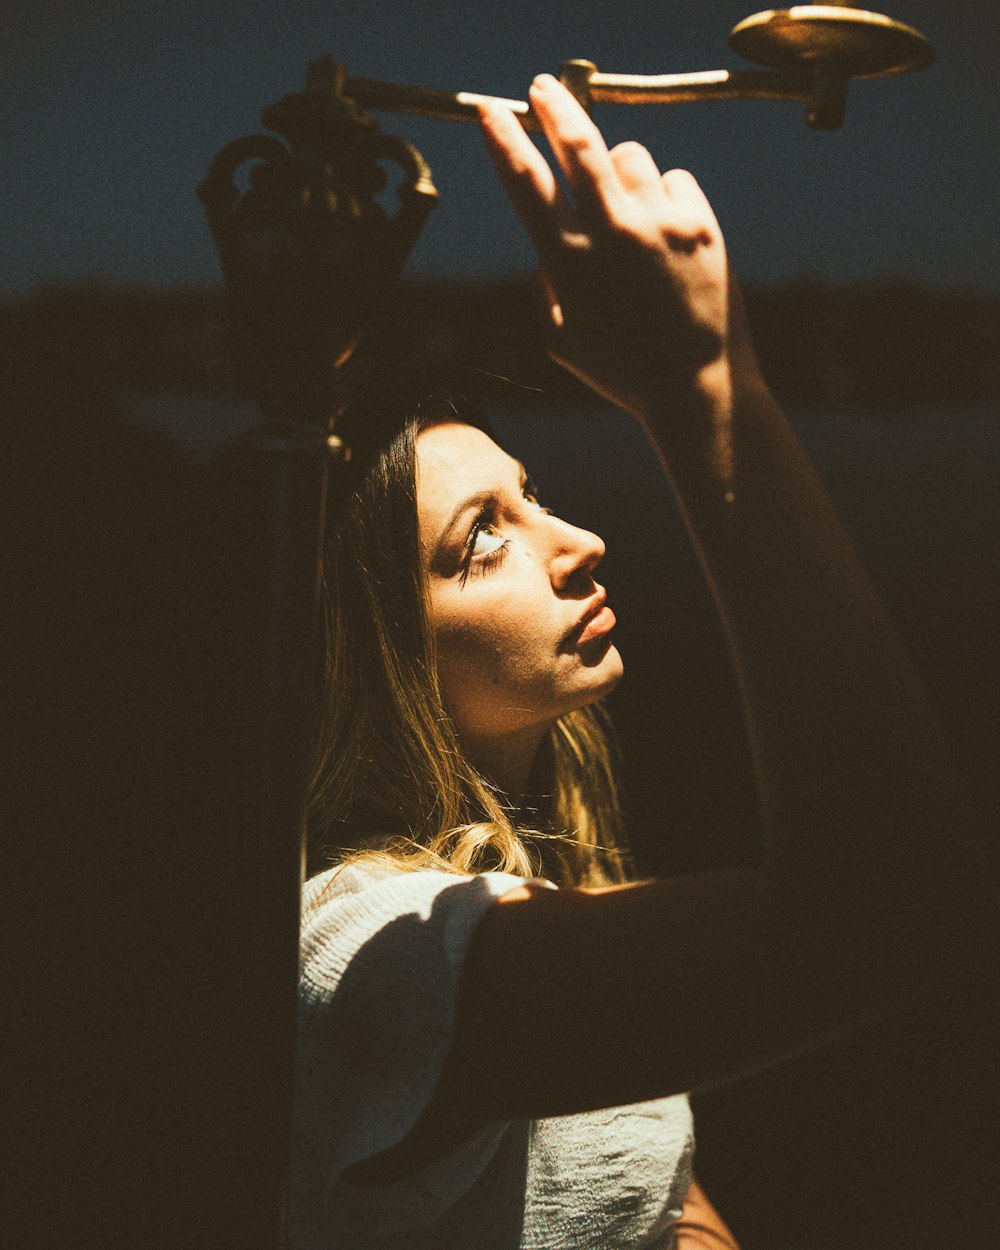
{"points": [[113, 111], [872, 259]]}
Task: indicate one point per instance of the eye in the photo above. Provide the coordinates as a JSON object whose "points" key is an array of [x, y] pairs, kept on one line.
{"points": [[485, 541], [484, 549], [530, 492]]}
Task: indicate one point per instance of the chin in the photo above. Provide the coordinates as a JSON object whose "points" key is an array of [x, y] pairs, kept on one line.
{"points": [[603, 671]]}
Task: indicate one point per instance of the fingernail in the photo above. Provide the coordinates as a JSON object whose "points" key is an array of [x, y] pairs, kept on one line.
{"points": [[544, 81]]}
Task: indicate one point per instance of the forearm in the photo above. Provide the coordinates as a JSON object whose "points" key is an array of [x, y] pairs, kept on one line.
{"points": [[873, 884], [864, 813], [818, 661]]}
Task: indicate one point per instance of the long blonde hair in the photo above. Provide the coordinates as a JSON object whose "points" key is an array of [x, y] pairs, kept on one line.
{"points": [[391, 782]]}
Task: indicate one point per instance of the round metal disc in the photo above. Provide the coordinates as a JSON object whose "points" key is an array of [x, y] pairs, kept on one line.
{"points": [[862, 44]]}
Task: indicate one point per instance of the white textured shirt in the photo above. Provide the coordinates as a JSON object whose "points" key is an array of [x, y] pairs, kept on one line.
{"points": [[381, 956]]}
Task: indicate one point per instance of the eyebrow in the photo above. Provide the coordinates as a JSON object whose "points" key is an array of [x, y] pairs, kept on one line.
{"points": [[477, 501]]}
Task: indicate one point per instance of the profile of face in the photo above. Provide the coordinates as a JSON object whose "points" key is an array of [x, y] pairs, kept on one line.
{"points": [[521, 628]]}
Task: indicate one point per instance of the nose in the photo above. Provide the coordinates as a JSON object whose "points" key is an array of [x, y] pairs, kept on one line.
{"points": [[576, 553]]}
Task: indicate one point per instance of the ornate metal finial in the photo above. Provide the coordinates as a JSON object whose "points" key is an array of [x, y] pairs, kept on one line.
{"points": [[307, 250]]}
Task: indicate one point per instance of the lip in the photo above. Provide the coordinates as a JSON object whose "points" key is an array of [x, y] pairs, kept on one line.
{"points": [[597, 621]]}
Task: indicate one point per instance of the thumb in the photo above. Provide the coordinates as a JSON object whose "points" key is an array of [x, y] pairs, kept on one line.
{"points": [[547, 302]]}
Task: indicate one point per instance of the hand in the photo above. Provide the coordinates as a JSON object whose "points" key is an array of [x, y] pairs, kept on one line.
{"points": [[633, 273]]}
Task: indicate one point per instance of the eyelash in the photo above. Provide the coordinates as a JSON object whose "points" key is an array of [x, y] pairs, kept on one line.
{"points": [[477, 566], [481, 565]]}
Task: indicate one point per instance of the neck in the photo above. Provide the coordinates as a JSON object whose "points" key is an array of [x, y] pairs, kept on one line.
{"points": [[508, 761]]}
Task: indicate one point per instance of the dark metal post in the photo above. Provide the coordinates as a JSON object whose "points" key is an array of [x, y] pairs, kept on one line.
{"points": [[307, 253]]}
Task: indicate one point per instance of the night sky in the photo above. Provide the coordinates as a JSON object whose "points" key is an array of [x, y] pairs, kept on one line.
{"points": [[112, 111]]}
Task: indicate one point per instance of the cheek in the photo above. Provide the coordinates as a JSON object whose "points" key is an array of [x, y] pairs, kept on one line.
{"points": [[492, 646], [500, 647], [501, 668]]}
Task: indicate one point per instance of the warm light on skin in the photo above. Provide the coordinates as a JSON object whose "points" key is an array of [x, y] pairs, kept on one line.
{"points": [[508, 587]]}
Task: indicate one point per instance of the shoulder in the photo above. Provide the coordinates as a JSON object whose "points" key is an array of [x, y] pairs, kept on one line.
{"points": [[381, 955], [359, 914]]}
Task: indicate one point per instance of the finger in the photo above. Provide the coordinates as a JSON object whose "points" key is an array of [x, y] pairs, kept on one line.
{"points": [[681, 184], [548, 302], [579, 148], [553, 321], [525, 174], [692, 214], [637, 171], [685, 190]]}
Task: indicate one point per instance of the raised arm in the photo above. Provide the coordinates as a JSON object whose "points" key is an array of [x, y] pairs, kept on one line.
{"points": [[872, 888]]}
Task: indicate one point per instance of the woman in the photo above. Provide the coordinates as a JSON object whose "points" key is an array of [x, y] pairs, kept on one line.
{"points": [[488, 1061]]}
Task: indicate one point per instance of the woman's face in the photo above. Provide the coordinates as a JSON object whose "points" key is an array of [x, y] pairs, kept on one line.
{"points": [[520, 625]]}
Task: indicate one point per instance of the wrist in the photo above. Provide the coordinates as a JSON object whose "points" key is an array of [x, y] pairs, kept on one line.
{"points": [[689, 421]]}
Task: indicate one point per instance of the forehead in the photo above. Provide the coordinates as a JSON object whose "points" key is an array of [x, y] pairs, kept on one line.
{"points": [[455, 461]]}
